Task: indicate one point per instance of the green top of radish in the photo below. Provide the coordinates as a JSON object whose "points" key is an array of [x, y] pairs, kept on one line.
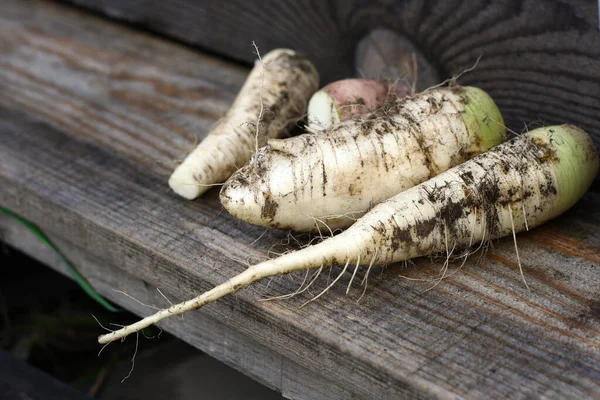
{"points": [[573, 151], [483, 118]]}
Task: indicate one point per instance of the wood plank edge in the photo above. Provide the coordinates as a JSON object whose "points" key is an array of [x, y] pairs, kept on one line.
{"points": [[224, 344]]}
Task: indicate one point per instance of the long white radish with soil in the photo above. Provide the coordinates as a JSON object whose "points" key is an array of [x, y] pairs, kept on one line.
{"points": [[329, 179], [513, 187], [274, 96]]}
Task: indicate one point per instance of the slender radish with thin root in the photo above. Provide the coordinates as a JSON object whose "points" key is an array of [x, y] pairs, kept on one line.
{"points": [[273, 98], [514, 186], [330, 179], [346, 99]]}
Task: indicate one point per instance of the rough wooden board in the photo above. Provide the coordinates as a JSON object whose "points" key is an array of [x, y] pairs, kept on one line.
{"points": [[127, 94], [540, 58], [478, 333], [200, 330]]}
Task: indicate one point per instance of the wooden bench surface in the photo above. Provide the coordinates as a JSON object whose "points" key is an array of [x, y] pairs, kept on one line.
{"points": [[93, 117], [539, 59]]}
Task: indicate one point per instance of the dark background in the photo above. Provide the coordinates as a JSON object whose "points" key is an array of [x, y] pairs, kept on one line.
{"points": [[46, 320]]}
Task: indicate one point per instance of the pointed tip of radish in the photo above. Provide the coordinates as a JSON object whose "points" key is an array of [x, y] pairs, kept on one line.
{"points": [[245, 195], [236, 136], [240, 200], [322, 111], [183, 183]]}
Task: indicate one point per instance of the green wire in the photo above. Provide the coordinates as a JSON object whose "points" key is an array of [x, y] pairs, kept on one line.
{"points": [[81, 281]]}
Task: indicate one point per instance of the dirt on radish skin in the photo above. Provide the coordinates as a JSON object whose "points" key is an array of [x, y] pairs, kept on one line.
{"points": [[328, 180], [349, 98], [274, 96], [515, 186]]}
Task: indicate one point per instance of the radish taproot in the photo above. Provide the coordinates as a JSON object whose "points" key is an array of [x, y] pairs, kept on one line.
{"points": [[313, 181], [346, 99], [274, 96], [512, 187]]}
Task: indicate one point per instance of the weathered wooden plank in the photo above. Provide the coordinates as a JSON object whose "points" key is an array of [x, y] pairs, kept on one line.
{"points": [[130, 235], [478, 333], [126, 95], [395, 329], [202, 331], [19, 381], [540, 60]]}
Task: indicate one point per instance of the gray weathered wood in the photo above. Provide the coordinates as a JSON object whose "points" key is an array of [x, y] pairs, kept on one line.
{"points": [[91, 114], [540, 59], [202, 331]]}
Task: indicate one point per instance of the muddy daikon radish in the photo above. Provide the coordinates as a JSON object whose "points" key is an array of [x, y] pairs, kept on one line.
{"points": [[271, 101], [328, 180]]}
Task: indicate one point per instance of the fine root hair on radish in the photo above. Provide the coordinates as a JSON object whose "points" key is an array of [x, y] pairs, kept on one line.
{"points": [[263, 290], [320, 222], [304, 286], [157, 336], [354, 215], [445, 272], [137, 337], [365, 281], [143, 304], [291, 242], [452, 81], [260, 94], [163, 295], [134, 299], [259, 238], [103, 327], [203, 185], [301, 289], [137, 342], [306, 274], [331, 284], [514, 235], [415, 73]]}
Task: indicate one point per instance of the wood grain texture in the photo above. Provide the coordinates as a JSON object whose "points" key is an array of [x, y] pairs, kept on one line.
{"points": [[87, 164], [540, 59], [202, 331]]}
